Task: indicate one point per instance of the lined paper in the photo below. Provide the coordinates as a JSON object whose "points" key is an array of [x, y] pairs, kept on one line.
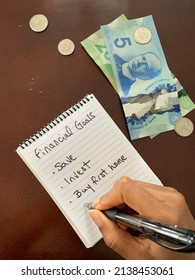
{"points": [[78, 158]]}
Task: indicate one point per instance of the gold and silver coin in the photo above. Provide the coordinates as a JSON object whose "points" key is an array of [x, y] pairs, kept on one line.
{"points": [[66, 47], [142, 35], [184, 127], [38, 23]]}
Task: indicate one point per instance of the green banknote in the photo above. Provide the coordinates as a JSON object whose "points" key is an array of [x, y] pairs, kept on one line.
{"points": [[186, 104], [95, 47]]}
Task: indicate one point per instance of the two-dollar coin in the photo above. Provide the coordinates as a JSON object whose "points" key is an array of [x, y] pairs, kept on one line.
{"points": [[66, 47], [38, 23], [184, 127], [142, 35]]}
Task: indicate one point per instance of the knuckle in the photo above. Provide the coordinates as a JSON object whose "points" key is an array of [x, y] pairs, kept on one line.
{"points": [[176, 196], [122, 185], [179, 199], [175, 212], [125, 180]]}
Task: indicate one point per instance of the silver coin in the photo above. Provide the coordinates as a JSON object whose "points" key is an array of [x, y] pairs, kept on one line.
{"points": [[38, 23], [142, 35], [184, 127], [66, 47]]}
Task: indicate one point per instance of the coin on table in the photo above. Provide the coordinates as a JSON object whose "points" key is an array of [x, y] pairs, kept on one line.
{"points": [[184, 127], [38, 23], [66, 47], [142, 35]]}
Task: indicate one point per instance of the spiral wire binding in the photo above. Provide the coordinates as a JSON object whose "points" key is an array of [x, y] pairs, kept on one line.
{"points": [[56, 121]]}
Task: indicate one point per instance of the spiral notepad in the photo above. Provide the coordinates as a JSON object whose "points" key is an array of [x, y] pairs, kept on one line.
{"points": [[77, 157]]}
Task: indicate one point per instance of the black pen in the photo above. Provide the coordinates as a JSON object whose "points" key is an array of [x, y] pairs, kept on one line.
{"points": [[168, 236]]}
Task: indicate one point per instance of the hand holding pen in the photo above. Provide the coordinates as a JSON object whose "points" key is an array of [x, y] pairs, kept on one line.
{"points": [[163, 204]]}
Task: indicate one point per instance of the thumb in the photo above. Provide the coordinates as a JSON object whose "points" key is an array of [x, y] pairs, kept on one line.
{"points": [[114, 236]]}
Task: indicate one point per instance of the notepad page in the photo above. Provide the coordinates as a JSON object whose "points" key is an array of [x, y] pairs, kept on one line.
{"points": [[79, 159]]}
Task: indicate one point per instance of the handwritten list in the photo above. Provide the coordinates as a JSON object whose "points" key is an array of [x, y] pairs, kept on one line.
{"points": [[77, 158]]}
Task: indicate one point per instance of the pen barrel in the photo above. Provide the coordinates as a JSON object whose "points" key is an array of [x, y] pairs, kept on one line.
{"points": [[131, 221], [157, 230], [168, 233], [115, 215]]}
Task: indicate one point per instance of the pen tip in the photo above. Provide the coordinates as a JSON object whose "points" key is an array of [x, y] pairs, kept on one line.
{"points": [[89, 205]]}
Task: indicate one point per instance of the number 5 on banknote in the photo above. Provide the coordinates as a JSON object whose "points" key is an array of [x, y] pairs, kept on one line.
{"points": [[122, 42]]}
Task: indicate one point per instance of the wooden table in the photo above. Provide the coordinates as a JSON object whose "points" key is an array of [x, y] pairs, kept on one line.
{"points": [[37, 83]]}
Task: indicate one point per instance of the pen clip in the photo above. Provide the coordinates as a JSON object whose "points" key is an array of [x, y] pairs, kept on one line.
{"points": [[189, 248]]}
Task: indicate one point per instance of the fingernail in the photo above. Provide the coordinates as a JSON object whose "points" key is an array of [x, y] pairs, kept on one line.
{"points": [[96, 218]]}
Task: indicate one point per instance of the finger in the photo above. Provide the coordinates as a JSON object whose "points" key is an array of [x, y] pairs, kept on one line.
{"points": [[115, 237]]}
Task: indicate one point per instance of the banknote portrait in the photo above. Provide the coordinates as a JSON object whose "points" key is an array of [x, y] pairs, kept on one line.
{"points": [[143, 67]]}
